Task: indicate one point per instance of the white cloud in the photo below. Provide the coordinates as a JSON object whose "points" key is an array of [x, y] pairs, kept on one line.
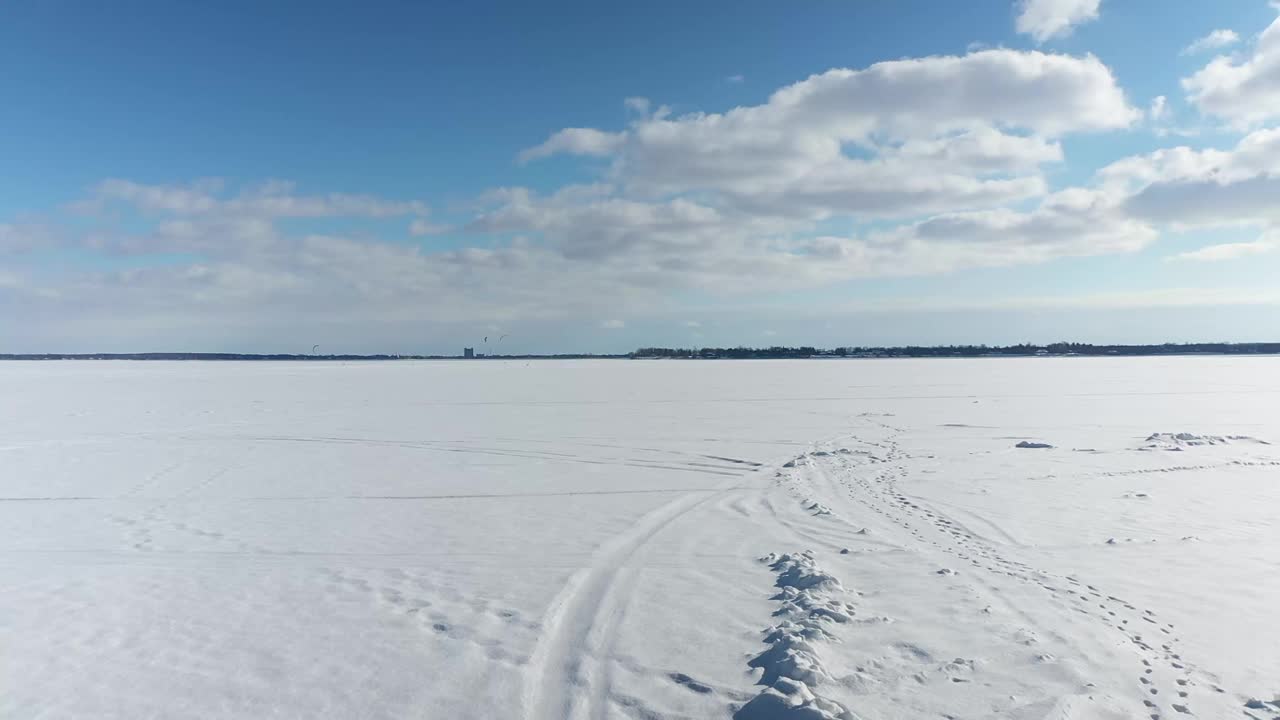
{"points": [[692, 324], [1229, 251], [1209, 203], [1213, 41], [901, 137], [273, 198], [422, 226], [759, 199], [1047, 19], [982, 150], [196, 198], [1159, 108], [1185, 187], [637, 104], [1171, 297], [575, 141], [710, 200], [613, 324], [1244, 91], [1041, 93], [593, 227], [1069, 223], [736, 79], [24, 238]]}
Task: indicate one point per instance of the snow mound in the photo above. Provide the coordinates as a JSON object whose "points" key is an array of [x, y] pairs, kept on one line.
{"points": [[1181, 441], [791, 664], [814, 605], [801, 571], [1256, 704], [791, 700]]}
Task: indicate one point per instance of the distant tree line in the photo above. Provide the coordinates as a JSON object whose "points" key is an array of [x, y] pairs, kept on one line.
{"points": [[735, 353], [1021, 349]]}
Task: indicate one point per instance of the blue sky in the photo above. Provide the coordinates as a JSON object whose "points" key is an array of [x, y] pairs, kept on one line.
{"points": [[401, 177]]}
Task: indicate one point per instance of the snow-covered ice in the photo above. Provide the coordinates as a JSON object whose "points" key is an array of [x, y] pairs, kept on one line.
{"points": [[610, 539]]}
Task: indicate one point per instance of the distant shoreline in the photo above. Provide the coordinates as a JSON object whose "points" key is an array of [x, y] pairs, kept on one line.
{"points": [[737, 353]]}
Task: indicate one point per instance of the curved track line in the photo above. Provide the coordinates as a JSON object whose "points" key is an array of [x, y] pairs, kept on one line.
{"points": [[568, 675]]}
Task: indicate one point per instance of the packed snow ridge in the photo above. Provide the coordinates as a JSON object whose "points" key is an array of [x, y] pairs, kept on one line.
{"points": [[792, 665], [1182, 440]]}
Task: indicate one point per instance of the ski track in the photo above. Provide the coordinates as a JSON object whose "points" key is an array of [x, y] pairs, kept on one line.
{"points": [[1163, 675], [725, 466], [570, 673], [580, 628]]}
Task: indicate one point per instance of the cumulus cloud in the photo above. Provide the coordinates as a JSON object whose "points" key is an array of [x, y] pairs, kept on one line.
{"points": [[1241, 90], [578, 141], [1047, 19], [1213, 41], [907, 167], [243, 267], [1159, 108], [1186, 187], [273, 198], [901, 137], [1209, 203], [587, 226], [1075, 222], [23, 238], [734, 200], [1230, 251], [195, 198], [244, 279], [1040, 93], [422, 226], [982, 149]]}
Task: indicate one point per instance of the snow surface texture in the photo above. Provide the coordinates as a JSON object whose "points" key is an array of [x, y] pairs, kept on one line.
{"points": [[1182, 440], [584, 540]]}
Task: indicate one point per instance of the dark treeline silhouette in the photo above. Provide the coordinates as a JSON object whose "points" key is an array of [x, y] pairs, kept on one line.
{"points": [[734, 353], [1023, 349]]}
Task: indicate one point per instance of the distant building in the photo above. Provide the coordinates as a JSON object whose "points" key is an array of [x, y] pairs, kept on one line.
{"points": [[468, 353]]}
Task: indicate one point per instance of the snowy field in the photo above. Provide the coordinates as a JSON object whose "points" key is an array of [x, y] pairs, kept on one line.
{"points": [[613, 539]]}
